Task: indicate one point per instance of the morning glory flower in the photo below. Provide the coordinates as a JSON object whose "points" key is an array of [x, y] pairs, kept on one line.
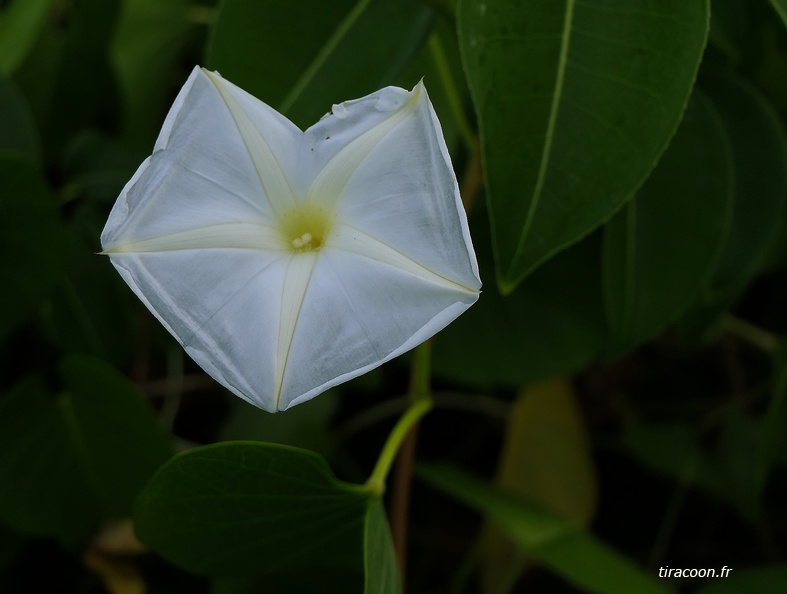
{"points": [[286, 262]]}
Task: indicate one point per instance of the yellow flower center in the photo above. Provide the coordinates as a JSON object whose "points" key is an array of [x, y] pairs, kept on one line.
{"points": [[305, 228]]}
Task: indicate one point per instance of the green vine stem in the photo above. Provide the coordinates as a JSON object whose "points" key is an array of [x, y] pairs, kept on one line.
{"points": [[750, 333], [421, 403], [401, 443]]}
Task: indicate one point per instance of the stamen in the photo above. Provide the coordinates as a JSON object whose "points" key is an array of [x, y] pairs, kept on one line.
{"points": [[302, 241]]}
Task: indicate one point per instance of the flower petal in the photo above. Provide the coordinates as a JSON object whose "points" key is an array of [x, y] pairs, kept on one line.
{"points": [[287, 262], [296, 282], [359, 313], [223, 306], [201, 173], [394, 180]]}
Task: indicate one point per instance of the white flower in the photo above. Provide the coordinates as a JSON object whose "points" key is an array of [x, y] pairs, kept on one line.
{"points": [[286, 262]]}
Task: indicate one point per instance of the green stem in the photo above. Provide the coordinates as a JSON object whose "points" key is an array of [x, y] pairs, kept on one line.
{"points": [[417, 410], [421, 403], [750, 333], [451, 92]]}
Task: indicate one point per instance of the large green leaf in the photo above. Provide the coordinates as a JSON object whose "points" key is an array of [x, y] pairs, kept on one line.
{"points": [[772, 433], [575, 102], [780, 6], [109, 421], [381, 571], [43, 492], [67, 461], [729, 472], [558, 544], [20, 25], [146, 52], [67, 78], [301, 426], [302, 57], [759, 159], [662, 246], [245, 508], [553, 325], [546, 460], [17, 129], [89, 311], [31, 240]]}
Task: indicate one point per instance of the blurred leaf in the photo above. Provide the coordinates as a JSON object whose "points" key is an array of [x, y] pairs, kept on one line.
{"points": [[85, 93], [662, 246], [11, 544], [301, 57], [67, 78], [114, 423], [746, 581], [575, 101], [381, 571], [553, 325], [31, 240], [558, 544], [772, 439], [546, 461], [146, 53], [17, 129], [759, 159], [439, 58], [303, 426], [780, 6], [67, 461], [251, 508], [328, 580], [119, 575], [20, 25], [44, 489], [97, 167], [89, 311], [727, 472]]}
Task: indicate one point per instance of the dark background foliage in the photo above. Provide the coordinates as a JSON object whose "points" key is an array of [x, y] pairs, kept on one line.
{"points": [[613, 405]]}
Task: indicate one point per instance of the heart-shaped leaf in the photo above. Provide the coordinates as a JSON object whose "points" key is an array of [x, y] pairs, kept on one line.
{"points": [[246, 508]]}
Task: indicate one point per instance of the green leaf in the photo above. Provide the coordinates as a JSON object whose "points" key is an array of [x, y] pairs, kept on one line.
{"points": [[545, 460], [17, 130], [36, 452], [89, 311], [772, 435], [301, 58], [251, 508], [559, 545], [554, 325], [110, 421], [303, 426], [728, 472], [381, 571], [20, 25], [575, 102], [759, 159], [67, 77], [146, 52], [68, 461], [662, 246], [31, 240], [11, 544], [780, 6], [745, 581]]}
